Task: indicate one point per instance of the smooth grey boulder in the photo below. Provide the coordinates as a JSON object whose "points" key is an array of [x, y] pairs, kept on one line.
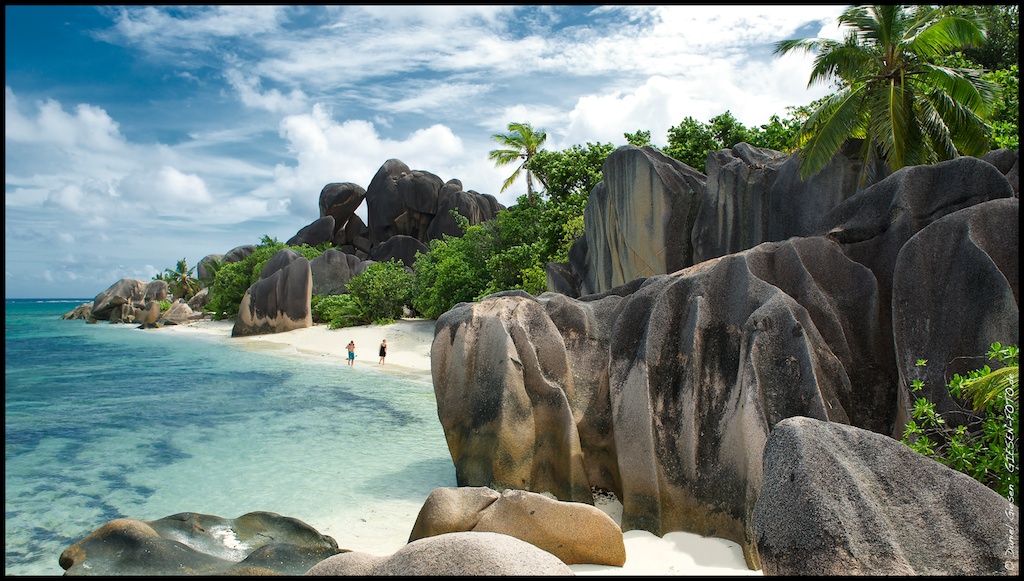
{"points": [[466, 553], [280, 300], [204, 269], [399, 247], [238, 253], [256, 543], [839, 500], [332, 272], [317, 232], [956, 290]]}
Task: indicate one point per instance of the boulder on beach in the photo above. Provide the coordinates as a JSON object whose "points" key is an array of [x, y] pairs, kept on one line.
{"points": [[574, 532], [467, 553], [190, 543]]}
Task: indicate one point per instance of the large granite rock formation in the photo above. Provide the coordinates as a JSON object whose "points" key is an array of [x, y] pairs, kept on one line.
{"points": [[796, 206], [399, 247], [280, 300], [733, 213], [873, 226], [664, 390], [474, 206], [118, 304], [956, 290], [256, 543], [838, 500], [462, 554], [574, 532], [638, 219], [340, 201]]}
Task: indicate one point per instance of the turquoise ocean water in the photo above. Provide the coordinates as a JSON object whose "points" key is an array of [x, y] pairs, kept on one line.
{"points": [[107, 421]]}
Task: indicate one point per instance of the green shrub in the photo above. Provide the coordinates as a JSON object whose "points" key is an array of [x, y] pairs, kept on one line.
{"points": [[164, 305], [384, 289], [987, 450], [337, 311]]}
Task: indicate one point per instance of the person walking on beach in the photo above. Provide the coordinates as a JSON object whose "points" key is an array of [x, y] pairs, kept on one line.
{"points": [[351, 353], [383, 351]]}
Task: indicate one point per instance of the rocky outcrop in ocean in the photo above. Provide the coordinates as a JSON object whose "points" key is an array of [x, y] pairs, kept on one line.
{"points": [[256, 543]]}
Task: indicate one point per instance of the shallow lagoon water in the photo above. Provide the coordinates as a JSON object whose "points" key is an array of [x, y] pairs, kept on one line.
{"points": [[107, 421]]}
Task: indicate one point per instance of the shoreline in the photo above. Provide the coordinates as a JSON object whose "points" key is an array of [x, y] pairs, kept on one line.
{"points": [[409, 343]]}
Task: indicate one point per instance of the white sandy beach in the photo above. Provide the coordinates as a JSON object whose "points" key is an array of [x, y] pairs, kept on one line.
{"points": [[409, 342]]}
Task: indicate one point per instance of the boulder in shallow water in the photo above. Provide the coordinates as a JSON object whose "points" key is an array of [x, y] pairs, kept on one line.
{"points": [[190, 543]]}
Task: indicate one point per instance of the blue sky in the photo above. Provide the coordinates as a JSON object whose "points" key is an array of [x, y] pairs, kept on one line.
{"points": [[136, 136]]}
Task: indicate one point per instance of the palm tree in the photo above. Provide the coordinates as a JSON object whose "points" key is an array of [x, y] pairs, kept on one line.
{"points": [[180, 281], [907, 109], [521, 142]]}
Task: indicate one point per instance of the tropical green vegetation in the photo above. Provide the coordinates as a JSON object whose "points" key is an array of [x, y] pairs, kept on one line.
{"points": [[986, 449], [520, 143], [180, 282], [382, 291], [893, 93]]}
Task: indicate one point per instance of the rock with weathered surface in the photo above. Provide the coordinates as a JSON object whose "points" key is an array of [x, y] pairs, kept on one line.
{"points": [[148, 316], [452, 510], [956, 290], [179, 313], [398, 247], [796, 206], [733, 213], [1008, 164], [317, 232], [126, 291], [841, 297], [332, 272], [400, 201], [638, 219], [280, 300], [82, 311], [873, 225], [838, 500], [503, 386], [200, 300], [463, 554], [474, 206], [662, 391], [340, 201], [239, 253], [256, 543], [574, 532], [204, 269]]}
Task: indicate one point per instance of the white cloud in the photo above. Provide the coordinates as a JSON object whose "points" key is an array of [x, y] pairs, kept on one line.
{"points": [[274, 101]]}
